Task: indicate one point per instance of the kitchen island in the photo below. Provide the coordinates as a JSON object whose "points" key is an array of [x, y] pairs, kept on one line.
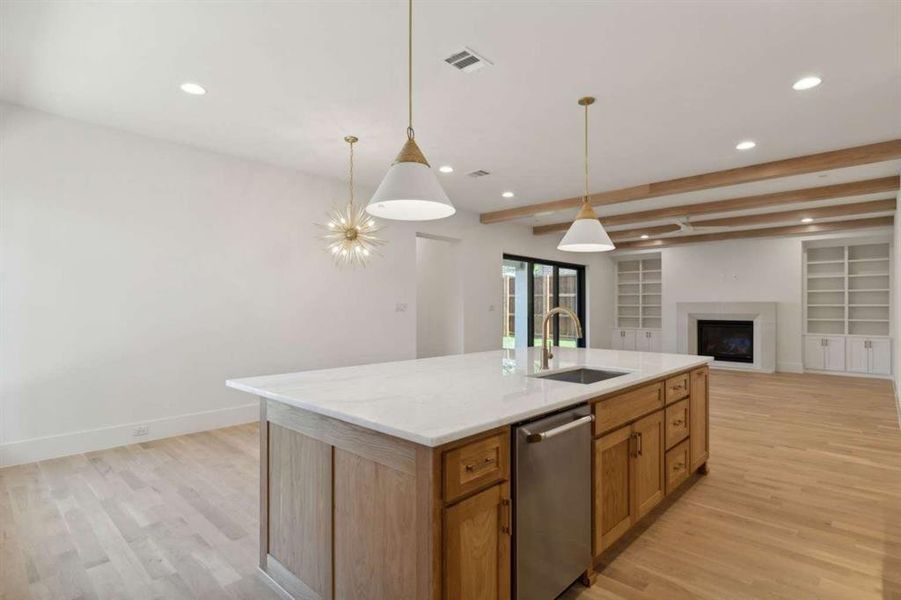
{"points": [[392, 480]]}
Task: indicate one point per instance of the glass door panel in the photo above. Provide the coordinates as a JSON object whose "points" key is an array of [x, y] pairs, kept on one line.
{"points": [[567, 297], [543, 286]]}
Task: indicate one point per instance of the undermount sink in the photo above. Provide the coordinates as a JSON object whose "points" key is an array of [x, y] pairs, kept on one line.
{"points": [[581, 375]]}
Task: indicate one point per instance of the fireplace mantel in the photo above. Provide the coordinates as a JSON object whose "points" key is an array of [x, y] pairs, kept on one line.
{"points": [[763, 314]]}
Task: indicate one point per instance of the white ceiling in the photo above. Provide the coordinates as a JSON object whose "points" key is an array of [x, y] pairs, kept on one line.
{"points": [[678, 85]]}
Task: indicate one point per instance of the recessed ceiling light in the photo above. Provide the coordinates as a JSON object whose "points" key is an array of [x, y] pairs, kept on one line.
{"points": [[807, 220], [745, 145], [508, 194], [446, 169], [644, 236], [195, 89], [805, 83]]}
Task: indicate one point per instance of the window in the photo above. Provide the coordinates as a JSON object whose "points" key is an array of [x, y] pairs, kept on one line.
{"points": [[531, 288]]}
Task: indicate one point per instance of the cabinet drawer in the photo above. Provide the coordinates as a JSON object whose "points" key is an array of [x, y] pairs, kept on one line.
{"points": [[613, 412], [677, 423], [474, 465], [677, 466], [676, 388]]}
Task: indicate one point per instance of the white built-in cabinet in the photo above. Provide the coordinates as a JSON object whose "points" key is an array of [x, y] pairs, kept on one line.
{"points": [[638, 303], [643, 340], [824, 353], [872, 356], [847, 307]]}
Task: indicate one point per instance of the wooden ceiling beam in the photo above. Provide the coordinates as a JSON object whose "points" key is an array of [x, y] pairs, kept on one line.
{"points": [[822, 212], [789, 230], [812, 163], [628, 234], [786, 216], [826, 192]]}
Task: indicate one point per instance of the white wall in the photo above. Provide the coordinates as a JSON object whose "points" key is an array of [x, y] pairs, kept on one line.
{"points": [[137, 275], [753, 270], [439, 298]]}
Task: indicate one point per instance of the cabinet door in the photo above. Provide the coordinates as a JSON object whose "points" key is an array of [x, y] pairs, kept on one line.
{"points": [[699, 415], [858, 355], [612, 487], [880, 357], [654, 344], [835, 354], [477, 547], [616, 341], [629, 339], [814, 352], [648, 463], [642, 343]]}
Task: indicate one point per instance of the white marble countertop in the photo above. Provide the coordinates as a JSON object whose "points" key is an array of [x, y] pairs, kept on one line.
{"points": [[433, 401]]}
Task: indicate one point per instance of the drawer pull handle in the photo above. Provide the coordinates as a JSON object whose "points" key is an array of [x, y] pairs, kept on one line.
{"points": [[678, 466], [481, 465], [678, 423], [504, 519]]}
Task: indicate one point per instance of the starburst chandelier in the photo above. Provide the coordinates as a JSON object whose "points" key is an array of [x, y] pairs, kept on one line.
{"points": [[351, 231]]}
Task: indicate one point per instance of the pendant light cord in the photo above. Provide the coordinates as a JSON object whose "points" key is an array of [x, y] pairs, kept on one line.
{"points": [[410, 133], [585, 197], [350, 140]]}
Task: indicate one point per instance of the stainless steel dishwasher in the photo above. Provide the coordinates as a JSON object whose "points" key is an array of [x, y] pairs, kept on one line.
{"points": [[552, 503]]}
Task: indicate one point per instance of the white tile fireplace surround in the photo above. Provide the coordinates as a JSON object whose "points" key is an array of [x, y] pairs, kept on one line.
{"points": [[763, 314]]}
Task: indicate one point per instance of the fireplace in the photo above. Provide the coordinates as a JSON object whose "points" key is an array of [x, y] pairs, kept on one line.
{"points": [[730, 341]]}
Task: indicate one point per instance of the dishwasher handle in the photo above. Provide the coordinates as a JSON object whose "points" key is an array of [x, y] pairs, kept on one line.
{"points": [[534, 438]]}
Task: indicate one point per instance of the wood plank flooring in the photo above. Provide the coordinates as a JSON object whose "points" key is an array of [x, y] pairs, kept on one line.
{"points": [[803, 501], [174, 518]]}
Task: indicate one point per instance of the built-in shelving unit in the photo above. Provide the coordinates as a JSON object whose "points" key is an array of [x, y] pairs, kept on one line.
{"points": [[639, 289], [848, 289]]}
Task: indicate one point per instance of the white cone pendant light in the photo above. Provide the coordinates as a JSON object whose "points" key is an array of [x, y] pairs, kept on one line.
{"points": [[410, 191], [586, 234]]}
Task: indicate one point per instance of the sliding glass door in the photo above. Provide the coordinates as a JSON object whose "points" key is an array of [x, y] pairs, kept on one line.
{"points": [[531, 288]]}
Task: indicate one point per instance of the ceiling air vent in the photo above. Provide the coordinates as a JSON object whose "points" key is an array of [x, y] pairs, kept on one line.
{"points": [[467, 60], [479, 173]]}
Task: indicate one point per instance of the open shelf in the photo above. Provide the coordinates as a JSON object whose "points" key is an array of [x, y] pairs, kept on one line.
{"points": [[639, 286], [847, 289]]}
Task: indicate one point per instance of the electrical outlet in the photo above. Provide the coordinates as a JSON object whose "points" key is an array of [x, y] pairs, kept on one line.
{"points": [[400, 307], [140, 430]]}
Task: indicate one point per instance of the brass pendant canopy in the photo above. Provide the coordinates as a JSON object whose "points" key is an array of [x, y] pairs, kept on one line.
{"points": [[411, 153]]}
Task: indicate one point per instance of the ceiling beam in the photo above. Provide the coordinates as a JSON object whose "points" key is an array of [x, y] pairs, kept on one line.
{"points": [[752, 233], [822, 212], [826, 192], [812, 163], [628, 234]]}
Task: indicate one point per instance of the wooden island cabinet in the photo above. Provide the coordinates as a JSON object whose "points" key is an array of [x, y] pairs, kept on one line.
{"points": [[352, 513], [648, 441]]}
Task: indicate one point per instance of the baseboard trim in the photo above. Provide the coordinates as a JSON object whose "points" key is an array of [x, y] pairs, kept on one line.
{"points": [[789, 367], [77, 442], [849, 374]]}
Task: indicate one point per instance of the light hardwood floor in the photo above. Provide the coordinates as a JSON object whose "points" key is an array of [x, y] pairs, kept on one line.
{"points": [[174, 518], [803, 501]]}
